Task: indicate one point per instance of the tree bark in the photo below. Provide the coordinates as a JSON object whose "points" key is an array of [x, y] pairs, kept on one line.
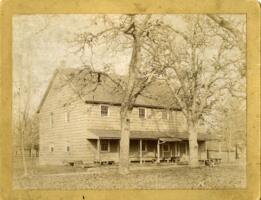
{"points": [[127, 106], [193, 146], [125, 141]]}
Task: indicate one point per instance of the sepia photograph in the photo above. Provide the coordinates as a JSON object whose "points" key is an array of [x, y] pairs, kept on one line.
{"points": [[129, 101]]}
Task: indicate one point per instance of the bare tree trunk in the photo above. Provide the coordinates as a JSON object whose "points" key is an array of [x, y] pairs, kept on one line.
{"points": [[23, 154], [228, 138], [126, 108], [193, 146], [21, 131], [228, 155], [228, 146], [125, 141]]}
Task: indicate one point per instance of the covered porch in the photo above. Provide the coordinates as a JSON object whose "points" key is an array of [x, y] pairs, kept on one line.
{"points": [[145, 146], [159, 150]]}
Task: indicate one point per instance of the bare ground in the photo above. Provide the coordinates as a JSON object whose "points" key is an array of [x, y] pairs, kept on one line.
{"points": [[146, 177]]}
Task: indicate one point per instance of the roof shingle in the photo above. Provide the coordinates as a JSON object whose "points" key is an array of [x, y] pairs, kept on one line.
{"points": [[95, 87]]}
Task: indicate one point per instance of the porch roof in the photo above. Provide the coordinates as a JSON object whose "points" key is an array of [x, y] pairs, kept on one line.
{"points": [[162, 135], [170, 139]]}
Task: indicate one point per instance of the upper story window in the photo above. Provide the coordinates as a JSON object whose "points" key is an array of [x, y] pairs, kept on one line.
{"points": [[67, 116], [51, 120], [149, 113], [171, 115], [142, 113], [104, 110], [164, 115]]}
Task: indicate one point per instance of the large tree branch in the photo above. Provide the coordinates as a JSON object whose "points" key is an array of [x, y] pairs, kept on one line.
{"points": [[225, 24], [179, 100]]}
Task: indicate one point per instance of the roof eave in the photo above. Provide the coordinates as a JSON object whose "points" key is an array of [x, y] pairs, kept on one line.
{"points": [[135, 105], [47, 91]]}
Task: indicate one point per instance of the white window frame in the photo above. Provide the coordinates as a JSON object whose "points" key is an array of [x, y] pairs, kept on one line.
{"points": [[109, 145], [144, 113], [108, 113]]}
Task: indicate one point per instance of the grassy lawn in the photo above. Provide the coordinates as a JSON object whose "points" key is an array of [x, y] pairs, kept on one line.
{"points": [[147, 177]]}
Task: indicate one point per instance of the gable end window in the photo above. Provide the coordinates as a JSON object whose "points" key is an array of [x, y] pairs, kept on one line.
{"points": [[142, 113], [67, 148], [104, 110]]}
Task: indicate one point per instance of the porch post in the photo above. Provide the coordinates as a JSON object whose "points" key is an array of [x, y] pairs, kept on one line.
{"points": [[158, 151], [206, 148], [140, 151], [98, 149]]}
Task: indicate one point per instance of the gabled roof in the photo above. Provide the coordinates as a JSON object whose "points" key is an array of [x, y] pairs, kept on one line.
{"points": [[47, 91], [103, 89]]}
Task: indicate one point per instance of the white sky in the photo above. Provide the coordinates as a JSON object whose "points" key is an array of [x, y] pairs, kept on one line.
{"points": [[40, 45]]}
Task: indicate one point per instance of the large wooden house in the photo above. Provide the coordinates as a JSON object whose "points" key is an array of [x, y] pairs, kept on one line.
{"points": [[79, 123]]}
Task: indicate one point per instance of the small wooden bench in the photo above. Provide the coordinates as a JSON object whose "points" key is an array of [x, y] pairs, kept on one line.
{"points": [[165, 160], [175, 159], [210, 161], [144, 160], [104, 162], [73, 163], [217, 160]]}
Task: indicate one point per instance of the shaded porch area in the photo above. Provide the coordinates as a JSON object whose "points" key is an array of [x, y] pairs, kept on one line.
{"points": [[160, 150], [145, 146]]}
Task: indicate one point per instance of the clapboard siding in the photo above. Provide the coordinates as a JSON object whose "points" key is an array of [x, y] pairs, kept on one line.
{"points": [[61, 99], [153, 123]]}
